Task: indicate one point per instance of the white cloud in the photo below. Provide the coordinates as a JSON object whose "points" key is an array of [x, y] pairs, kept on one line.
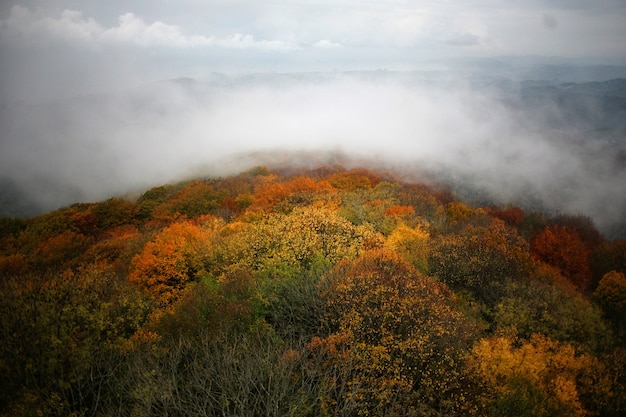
{"points": [[371, 27], [241, 41], [132, 29], [325, 43], [23, 25], [404, 27], [434, 28]]}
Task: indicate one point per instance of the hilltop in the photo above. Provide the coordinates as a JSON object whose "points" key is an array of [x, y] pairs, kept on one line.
{"points": [[308, 291]]}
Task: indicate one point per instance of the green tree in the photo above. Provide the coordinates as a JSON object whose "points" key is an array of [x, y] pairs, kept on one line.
{"points": [[607, 257], [247, 374], [480, 260], [192, 200], [540, 306], [59, 336], [611, 294], [364, 205]]}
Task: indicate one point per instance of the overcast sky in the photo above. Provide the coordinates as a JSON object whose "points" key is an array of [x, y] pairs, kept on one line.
{"points": [[55, 47]]}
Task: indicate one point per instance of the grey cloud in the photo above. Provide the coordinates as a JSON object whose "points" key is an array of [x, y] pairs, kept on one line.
{"points": [[98, 146], [549, 21], [463, 39]]}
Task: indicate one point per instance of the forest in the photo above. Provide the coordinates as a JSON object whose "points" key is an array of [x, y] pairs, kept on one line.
{"points": [[325, 291]]}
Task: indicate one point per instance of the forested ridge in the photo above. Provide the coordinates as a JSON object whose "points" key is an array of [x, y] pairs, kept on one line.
{"points": [[309, 292]]}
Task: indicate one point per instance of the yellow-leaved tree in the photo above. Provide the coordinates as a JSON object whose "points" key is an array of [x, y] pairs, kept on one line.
{"points": [[539, 377], [397, 342], [294, 240], [411, 243]]}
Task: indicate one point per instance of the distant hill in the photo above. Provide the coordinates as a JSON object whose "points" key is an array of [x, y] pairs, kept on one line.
{"points": [[597, 109], [14, 203]]}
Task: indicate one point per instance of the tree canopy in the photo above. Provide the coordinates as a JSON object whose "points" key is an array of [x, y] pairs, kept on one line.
{"points": [[309, 292]]}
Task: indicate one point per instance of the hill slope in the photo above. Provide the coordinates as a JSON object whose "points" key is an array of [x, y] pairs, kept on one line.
{"points": [[309, 291]]}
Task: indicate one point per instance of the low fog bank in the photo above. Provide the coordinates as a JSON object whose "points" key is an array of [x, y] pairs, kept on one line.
{"points": [[558, 147]]}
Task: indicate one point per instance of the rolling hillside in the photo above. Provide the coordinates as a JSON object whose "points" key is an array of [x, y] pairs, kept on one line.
{"points": [[317, 291]]}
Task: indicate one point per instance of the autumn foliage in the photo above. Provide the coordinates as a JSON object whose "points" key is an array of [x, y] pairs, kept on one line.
{"points": [[397, 340], [173, 259], [309, 292], [562, 247], [539, 377]]}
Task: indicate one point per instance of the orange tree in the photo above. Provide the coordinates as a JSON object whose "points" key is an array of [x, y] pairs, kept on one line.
{"points": [[176, 256], [353, 179], [284, 196], [60, 251], [513, 215], [117, 248], [562, 247]]}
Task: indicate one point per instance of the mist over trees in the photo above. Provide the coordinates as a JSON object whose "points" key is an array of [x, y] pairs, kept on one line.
{"points": [[309, 292], [543, 145]]}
